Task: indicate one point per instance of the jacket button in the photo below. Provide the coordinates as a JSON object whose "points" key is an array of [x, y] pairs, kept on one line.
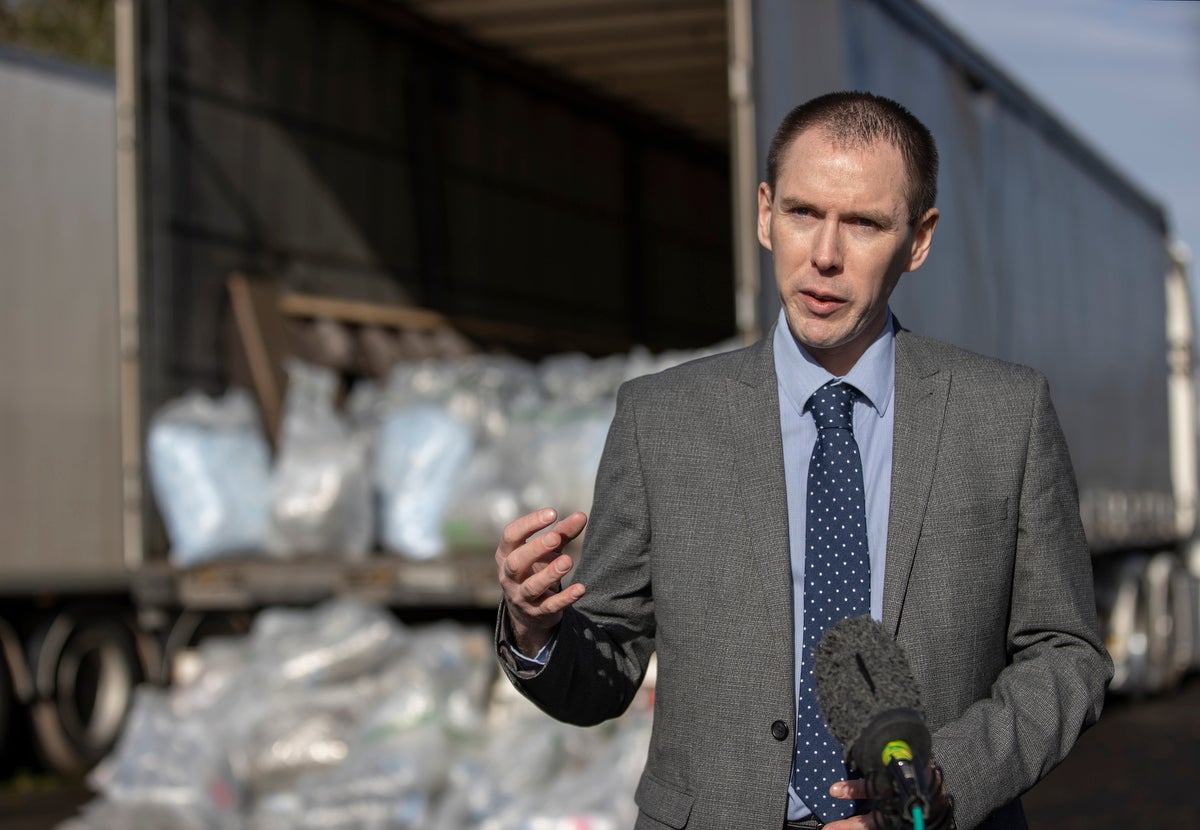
{"points": [[779, 730]]}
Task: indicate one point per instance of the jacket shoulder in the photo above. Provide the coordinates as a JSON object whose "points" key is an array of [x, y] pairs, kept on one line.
{"points": [[925, 355], [710, 372]]}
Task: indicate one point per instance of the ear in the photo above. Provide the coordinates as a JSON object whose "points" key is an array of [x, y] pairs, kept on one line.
{"points": [[922, 239], [764, 215]]}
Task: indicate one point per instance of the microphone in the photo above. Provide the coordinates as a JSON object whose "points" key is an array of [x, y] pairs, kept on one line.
{"points": [[872, 705]]}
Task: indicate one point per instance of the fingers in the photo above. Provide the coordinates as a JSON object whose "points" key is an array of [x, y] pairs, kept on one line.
{"points": [[518, 555], [544, 581], [856, 789], [519, 530], [853, 823], [531, 567], [552, 603]]}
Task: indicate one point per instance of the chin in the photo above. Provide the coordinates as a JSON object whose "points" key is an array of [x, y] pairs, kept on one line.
{"points": [[820, 339]]}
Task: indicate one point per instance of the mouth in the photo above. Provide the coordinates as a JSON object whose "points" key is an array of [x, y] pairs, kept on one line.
{"points": [[820, 303]]}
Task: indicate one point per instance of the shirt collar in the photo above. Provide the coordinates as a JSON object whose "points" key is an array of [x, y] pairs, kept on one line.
{"points": [[800, 375]]}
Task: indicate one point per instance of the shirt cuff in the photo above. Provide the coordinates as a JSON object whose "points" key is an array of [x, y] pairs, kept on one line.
{"points": [[517, 660], [538, 660]]}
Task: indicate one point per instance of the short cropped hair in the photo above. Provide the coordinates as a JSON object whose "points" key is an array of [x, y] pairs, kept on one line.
{"points": [[859, 118]]}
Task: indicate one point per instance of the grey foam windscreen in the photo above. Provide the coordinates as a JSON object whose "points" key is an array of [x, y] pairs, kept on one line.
{"points": [[861, 672]]}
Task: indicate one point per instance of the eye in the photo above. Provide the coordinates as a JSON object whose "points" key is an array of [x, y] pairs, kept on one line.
{"points": [[864, 222]]}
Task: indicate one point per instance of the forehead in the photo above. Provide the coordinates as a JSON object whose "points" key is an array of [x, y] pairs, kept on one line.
{"points": [[816, 163]]}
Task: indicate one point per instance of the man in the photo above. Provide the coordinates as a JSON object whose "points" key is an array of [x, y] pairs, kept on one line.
{"points": [[704, 544]]}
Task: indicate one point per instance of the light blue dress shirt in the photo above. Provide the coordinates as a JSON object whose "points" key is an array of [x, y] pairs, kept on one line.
{"points": [[799, 376]]}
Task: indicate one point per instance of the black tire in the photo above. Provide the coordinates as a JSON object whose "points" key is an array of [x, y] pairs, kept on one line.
{"points": [[1123, 601], [8, 705], [85, 668], [191, 628]]}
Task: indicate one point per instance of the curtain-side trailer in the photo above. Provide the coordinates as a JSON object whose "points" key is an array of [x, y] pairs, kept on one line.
{"points": [[500, 164], [60, 497]]}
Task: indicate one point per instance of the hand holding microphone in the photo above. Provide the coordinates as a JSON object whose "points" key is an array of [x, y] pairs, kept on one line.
{"points": [[872, 706]]}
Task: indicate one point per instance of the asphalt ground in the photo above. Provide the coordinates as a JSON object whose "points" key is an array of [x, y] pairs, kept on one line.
{"points": [[1139, 767]]}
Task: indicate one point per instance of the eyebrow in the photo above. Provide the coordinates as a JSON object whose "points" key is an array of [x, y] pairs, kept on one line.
{"points": [[789, 202]]}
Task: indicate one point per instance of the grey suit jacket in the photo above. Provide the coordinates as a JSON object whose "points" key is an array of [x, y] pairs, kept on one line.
{"points": [[988, 585]]}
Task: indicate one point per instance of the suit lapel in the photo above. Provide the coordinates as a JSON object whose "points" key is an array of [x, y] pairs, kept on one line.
{"points": [[921, 392], [753, 401]]}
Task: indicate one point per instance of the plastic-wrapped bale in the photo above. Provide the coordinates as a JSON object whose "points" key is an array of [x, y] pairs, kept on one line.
{"points": [[560, 446], [421, 455], [276, 738], [210, 472], [413, 716], [575, 378], [485, 499], [123, 815], [340, 717], [338, 641], [310, 677], [167, 757], [595, 794], [568, 778], [481, 390], [321, 500], [392, 767]]}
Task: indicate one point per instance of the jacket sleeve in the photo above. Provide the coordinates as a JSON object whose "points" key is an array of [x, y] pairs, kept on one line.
{"points": [[1057, 670], [605, 640]]}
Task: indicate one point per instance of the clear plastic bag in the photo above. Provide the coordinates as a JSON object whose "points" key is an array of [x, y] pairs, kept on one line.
{"points": [[339, 717], [321, 500], [422, 453], [311, 676], [485, 498], [150, 815], [574, 378], [209, 467], [568, 777], [480, 391], [388, 781], [339, 641], [168, 758], [277, 737], [558, 451]]}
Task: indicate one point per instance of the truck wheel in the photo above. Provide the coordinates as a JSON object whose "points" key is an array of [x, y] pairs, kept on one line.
{"points": [[192, 628], [16, 690], [1185, 608], [1168, 620], [85, 668], [1122, 596], [7, 707]]}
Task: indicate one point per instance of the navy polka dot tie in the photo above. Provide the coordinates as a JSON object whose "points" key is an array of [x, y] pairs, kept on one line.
{"points": [[837, 584]]}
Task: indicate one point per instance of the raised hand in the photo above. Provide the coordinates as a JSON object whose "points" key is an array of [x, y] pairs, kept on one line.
{"points": [[531, 572]]}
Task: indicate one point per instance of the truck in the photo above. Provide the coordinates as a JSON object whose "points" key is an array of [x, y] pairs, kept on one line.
{"points": [[532, 176]]}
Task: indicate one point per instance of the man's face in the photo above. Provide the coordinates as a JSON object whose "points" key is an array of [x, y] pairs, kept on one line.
{"points": [[838, 227]]}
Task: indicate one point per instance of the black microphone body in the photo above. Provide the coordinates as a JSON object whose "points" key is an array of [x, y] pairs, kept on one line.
{"points": [[872, 705]]}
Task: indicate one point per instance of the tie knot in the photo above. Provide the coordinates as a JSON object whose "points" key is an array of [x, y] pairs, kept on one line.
{"points": [[833, 406]]}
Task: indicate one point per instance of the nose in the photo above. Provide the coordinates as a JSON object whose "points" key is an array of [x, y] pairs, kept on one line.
{"points": [[827, 248]]}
